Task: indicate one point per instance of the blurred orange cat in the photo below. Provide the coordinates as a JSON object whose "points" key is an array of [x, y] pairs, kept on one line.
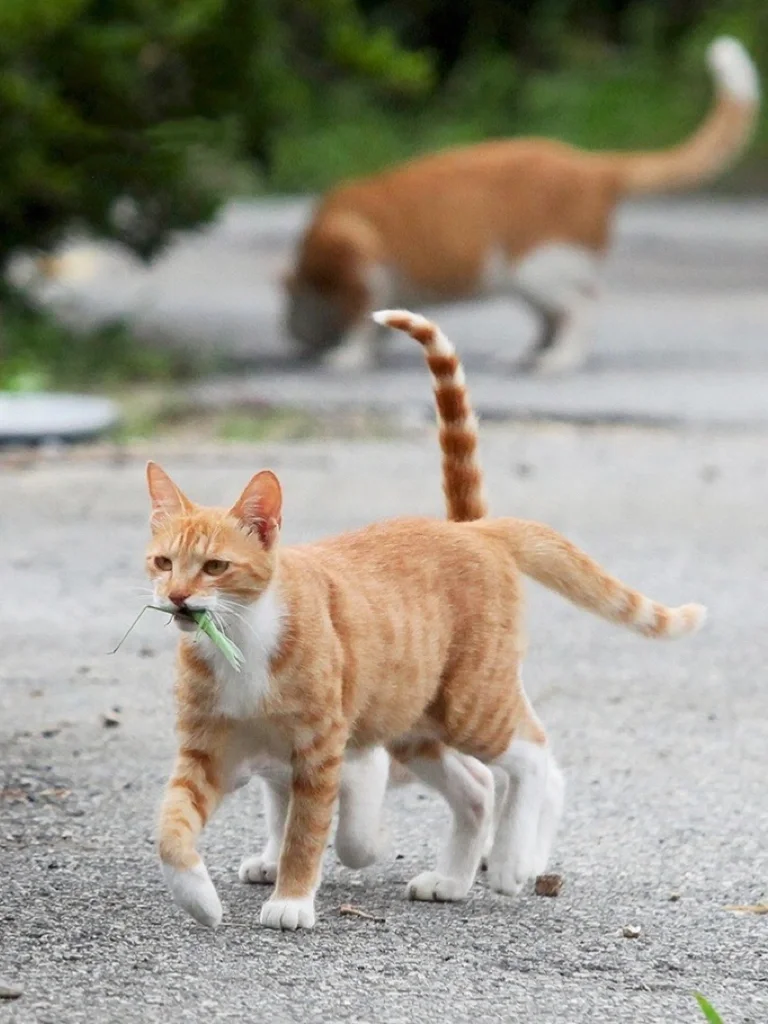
{"points": [[529, 218], [406, 633]]}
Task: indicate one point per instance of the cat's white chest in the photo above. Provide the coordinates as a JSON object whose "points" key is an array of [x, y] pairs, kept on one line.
{"points": [[256, 631]]}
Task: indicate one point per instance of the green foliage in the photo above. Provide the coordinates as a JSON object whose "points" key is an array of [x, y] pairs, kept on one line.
{"points": [[169, 105], [578, 72], [146, 100], [36, 353], [709, 1012], [155, 102]]}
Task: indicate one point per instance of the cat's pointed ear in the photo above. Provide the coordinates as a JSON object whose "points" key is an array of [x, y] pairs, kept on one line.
{"points": [[260, 507], [167, 499]]}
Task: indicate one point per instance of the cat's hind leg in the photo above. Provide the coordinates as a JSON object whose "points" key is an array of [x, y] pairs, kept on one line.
{"points": [[559, 282], [564, 343], [359, 833], [261, 869], [528, 820], [551, 813], [468, 787], [362, 351], [501, 785]]}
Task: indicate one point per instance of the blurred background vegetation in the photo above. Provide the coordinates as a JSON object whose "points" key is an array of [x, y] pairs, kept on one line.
{"points": [[133, 118]]}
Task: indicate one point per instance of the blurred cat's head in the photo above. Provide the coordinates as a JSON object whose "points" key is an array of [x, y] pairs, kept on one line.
{"points": [[329, 291]]}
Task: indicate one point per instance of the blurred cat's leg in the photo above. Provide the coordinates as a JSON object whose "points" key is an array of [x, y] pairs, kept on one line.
{"points": [[559, 282], [364, 349], [468, 788], [261, 869], [360, 836]]}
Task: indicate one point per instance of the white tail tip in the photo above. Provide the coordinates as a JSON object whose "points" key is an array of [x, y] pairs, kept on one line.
{"points": [[734, 69], [689, 620], [386, 316]]}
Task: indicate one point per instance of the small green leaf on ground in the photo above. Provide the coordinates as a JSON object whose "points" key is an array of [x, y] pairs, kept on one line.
{"points": [[707, 1009]]}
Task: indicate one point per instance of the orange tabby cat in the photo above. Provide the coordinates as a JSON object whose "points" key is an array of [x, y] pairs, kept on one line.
{"points": [[526, 217], [401, 634]]}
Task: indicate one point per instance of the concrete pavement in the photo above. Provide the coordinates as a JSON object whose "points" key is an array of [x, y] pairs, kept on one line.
{"points": [[664, 746]]}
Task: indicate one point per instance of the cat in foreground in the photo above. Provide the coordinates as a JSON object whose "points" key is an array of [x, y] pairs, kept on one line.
{"points": [[407, 634], [529, 218]]}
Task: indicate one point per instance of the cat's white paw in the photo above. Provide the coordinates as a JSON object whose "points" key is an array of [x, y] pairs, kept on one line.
{"points": [[509, 878], [431, 885], [258, 870], [288, 915], [194, 892]]}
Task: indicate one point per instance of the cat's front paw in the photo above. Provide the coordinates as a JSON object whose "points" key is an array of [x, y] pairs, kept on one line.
{"points": [[431, 885], [258, 870], [193, 891], [288, 915]]}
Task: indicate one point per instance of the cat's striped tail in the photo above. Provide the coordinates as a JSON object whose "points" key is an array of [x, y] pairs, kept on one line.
{"points": [[462, 474], [547, 557]]}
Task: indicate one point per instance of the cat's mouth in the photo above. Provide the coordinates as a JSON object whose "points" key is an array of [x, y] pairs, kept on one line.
{"points": [[185, 622]]}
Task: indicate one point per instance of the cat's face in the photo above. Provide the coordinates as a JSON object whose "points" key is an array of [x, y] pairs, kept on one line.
{"points": [[205, 559]]}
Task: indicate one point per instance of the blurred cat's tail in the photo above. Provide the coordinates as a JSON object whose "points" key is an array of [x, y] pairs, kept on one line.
{"points": [[716, 144], [462, 473]]}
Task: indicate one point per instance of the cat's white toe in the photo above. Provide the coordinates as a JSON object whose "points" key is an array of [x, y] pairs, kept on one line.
{"points": [[509, 878], [432, 886], [258, 871], [194, 892], [288, 915]]}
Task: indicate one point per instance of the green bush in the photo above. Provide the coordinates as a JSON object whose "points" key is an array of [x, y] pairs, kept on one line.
{"points": [[147, 100]]}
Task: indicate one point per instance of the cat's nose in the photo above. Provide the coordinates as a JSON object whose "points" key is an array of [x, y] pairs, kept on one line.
{"points": [[178, 597]]}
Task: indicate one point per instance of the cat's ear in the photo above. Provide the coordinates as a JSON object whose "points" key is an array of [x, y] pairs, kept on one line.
{"points": [[260, 507], [167, 499]]}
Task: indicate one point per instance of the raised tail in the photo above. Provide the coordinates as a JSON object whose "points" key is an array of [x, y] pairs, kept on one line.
{"points": [[462, 474], [717, 142], [550, 559]]}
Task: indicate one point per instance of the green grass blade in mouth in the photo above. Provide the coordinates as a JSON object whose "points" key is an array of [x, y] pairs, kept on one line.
{"points": [[230, 650], [131, 628], [205, 624]]}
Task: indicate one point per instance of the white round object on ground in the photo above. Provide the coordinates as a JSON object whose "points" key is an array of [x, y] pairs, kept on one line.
{"points": [[32, 418]]}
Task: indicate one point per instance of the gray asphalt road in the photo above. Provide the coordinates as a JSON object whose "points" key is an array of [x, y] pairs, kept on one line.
{"points": [[664, 746]]}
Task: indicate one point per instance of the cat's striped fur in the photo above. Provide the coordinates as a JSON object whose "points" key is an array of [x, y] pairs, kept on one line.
{"points": [[405, 634]]}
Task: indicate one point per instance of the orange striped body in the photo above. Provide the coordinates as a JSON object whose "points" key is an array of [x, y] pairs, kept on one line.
{"points": [[407, 634], [529, 218]]}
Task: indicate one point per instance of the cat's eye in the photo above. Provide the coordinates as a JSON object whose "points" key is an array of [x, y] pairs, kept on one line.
{"points": [[215, 567], [163, 564]]}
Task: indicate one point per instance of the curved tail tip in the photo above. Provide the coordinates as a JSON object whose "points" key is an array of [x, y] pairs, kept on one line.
{"points": [[691, 618], [734, 69], [398, 318]]}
